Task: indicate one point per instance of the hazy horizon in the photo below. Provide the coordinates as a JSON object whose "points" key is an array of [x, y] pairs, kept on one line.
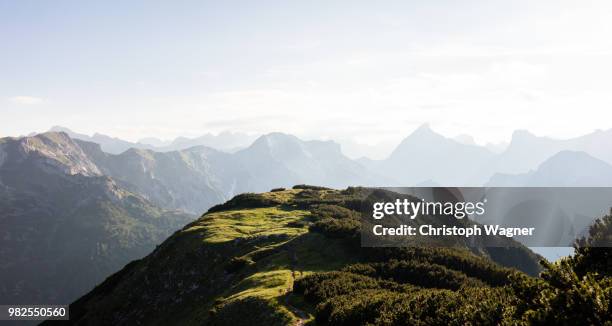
{"points": [[352, 149], [316, 70]]}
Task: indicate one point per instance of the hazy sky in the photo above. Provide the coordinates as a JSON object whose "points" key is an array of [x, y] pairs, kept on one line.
{"points": [[368, 71]]}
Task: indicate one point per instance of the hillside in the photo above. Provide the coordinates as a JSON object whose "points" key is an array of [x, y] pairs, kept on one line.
{"points": [[191, 180], [257, 260], [63, 225]]}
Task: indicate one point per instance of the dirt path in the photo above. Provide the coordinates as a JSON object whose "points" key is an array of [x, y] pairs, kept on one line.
{"points": [[302, 315]]}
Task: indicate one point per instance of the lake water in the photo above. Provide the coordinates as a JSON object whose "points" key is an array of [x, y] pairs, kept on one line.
{"points": [[553, 253]]}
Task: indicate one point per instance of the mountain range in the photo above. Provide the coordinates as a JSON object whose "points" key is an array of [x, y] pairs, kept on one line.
{"points": [[196, 178], [64, 226], [99, 202], [224, 141], [435, 157], [428, 158], [425, 157], [65, 202]]}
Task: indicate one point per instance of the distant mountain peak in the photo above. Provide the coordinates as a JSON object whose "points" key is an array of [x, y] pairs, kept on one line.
{"points": [[422, 136], [524, 141], [281, 143], [276, 135], [522, 134], [278, 145], [56, 151], [423, 129], [275, 138], [46, 141], [60, 129], [569, 159], [155, 142]]}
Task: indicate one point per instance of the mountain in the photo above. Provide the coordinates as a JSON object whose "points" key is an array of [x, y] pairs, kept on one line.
{"points": [[191, 180], [64, 226], [426, 155], [564, 169], [527, 151], [356, 150], [595, 144], [108, 144], [249, 262], [225, 141], [465, 139], [572, 208], [197, 178], [281, 160], [155, 142], [496, 147]]}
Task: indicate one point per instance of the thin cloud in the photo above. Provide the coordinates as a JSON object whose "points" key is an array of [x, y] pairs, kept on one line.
{"points": [[26, 100]]}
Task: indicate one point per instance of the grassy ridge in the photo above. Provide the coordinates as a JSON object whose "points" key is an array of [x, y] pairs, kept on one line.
{"points": [[239, 263]]}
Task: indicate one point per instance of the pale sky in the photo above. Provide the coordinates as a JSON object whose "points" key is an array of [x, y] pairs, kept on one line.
{"points": [[368, 71]]}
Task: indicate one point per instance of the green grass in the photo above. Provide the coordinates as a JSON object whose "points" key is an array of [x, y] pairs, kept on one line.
{"points": [[277, 261], [272, 277], [229, 225], [282, 196], [267, 285]]}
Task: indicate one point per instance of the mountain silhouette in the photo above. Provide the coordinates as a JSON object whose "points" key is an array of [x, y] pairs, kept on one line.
{"points": [[564, 169]]}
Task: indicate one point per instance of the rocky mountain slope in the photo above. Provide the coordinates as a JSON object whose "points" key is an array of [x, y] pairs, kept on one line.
{"points": [[109, 144], [111, 208], [192, 180], [196, 178], [64, 226]]}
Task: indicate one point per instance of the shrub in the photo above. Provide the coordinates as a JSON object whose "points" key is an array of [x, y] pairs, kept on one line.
{"points": [[335, 228], [319, 287], [310, 187], [297, 224], [237, 263], [574, 291], [416, 273], [250, 311], [333, 211], [246, 200]]}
